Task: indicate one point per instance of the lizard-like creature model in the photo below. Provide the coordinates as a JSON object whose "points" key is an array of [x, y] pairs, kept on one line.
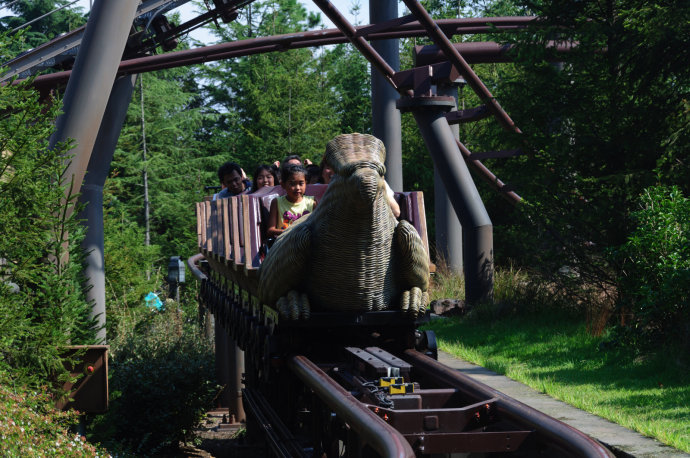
{"points": [[350, 253]]}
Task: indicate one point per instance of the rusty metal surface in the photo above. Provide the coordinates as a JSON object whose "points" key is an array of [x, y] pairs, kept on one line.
{"points": [[480, 52], [284, 42], [373, 430], [462, 65], [568, 440], [90, 391], [279, 439]]}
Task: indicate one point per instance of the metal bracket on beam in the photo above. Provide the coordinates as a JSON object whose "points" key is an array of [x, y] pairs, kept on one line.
{"points": [[407, 104], [469, 115], [440, 73]]}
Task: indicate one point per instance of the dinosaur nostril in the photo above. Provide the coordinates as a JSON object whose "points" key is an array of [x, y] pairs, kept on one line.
{"points": [[368, 186]]}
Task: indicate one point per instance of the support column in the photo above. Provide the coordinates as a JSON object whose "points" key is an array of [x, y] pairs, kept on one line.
{"points": [[448, 227], [478, 229], [92, 197], [385, 116], [89, 86], [229, 370], [85, 100]]}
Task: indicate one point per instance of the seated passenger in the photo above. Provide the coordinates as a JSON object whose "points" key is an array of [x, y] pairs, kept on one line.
{"points": [[292, 159], [287, 209], [326, 172], [264, 176], [230, 176], [313, 174]]}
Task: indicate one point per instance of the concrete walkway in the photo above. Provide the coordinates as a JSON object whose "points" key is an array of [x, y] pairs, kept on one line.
{"points": [[622, 441]]}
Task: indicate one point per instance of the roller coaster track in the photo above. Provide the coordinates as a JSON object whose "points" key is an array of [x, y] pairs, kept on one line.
{"points": [[384, 397], [476, 52], [66, 46], [352, 383], [419, 23]]}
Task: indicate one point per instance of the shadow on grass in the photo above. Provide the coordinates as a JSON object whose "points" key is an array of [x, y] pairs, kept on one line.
{"points": [[552, 352], [555, 351]]}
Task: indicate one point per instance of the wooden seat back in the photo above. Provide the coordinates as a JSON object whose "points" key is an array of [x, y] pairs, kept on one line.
{"points": [[231, 230]]}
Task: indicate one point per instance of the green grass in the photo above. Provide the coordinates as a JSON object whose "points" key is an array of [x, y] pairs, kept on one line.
{"points": [[552, 352]]}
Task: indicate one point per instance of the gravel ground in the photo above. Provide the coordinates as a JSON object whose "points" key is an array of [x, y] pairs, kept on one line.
{"points": [[221, 440]]}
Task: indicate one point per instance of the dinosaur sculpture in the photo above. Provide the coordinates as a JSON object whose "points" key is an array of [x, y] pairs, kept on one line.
{"points": [[350, 253]]}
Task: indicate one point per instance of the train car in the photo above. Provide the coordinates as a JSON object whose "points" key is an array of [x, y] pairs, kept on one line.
{"points": [[353, 382]]}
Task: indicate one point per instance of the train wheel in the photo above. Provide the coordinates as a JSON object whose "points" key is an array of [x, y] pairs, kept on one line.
{"points": [[426, 343]]}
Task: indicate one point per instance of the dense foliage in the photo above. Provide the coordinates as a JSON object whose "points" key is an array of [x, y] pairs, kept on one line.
{"points": [[29, 426], [270, 105], [42, 305], [176, 163], [161, 384], [602, 123], [655, 274]]}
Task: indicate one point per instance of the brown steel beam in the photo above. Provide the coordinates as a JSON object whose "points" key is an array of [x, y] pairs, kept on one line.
{"points": [[357, 41], [384, 26], [280, 43], [480, 51], [467, 115], [372, 430], [463, 67], [300, 40], [488, 176], [501, 154], [569, 440]]}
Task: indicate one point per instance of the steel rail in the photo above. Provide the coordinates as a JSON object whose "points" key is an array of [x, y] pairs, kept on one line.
{"points": [[554, 431], [191, 262], [278, 43], [465, 26], [382, 437], [357, 41], [480, 51], [309, 39], [279, 438], [67, 42], [461, 64], [488, 176]]}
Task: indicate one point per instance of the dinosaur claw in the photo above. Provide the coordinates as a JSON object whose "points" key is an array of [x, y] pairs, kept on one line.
{"points": [[305, 309], [413, 302], [294, 306], [405, 301]]}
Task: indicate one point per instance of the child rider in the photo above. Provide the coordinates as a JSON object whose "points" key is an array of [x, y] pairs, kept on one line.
{"points": [[287, 209]]}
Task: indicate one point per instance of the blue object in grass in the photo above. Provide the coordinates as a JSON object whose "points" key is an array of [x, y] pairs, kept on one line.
{"points": [[153, 301]]}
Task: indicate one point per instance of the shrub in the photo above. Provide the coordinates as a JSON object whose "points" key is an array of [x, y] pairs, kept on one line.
{"points": [[162, 383], [655, 280], [42, 303], [30, 426]]}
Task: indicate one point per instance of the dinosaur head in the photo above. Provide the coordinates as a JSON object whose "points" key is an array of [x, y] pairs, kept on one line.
{"points": [[357, 160]]}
